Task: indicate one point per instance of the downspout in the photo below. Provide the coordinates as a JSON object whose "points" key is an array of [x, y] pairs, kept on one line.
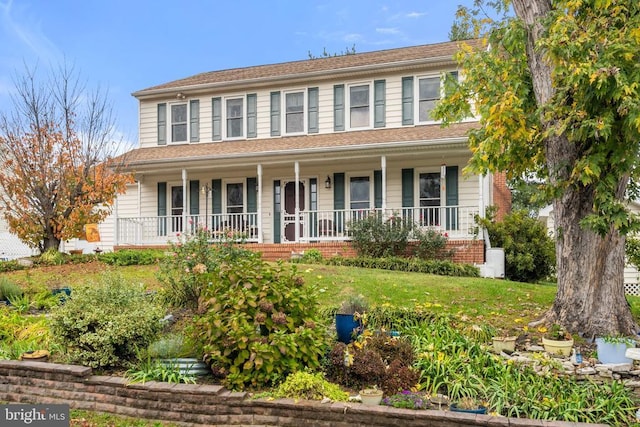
{"points": [[259, 224]]}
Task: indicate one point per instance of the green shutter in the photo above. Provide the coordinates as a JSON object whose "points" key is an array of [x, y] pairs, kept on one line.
{"points": [[194, 197], [252, 195], [313, 126], [194, 120], [407, 188], [379, 103], [377, 188], [277, 208], [275, 114], [162, 209], [216, 119], [338, 200], [252, 115], [452, 197], [407, 100], [338, 107], [162, 124], [216, 196]]}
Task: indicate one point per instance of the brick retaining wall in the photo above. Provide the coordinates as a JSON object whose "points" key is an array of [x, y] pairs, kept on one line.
{"points": [[207, 405]]}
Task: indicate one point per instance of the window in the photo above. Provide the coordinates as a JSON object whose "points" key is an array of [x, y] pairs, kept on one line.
{"points": [[428, 96], [429, 198], [235, 117], [235, 198], [179, 122], [294, 112], [359, 108], [360, 193]]}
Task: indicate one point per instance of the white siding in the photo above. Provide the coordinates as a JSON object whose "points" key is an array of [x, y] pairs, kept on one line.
{"points": [[148, 124]]}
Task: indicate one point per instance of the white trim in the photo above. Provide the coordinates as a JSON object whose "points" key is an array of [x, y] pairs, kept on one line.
{"points": [[283, 110], [347, 105]]}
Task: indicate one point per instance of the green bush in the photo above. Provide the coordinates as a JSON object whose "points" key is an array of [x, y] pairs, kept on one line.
{"points": [[530, 254], [443, 268], [9, 289], [132, 257], [309, 386], [188, 268], [259, 323], [104, 324], [6, 266], [376, 237], [430, 244]]}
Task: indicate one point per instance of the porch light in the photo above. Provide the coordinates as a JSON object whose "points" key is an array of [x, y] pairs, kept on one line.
{"points": [[327, 182]]}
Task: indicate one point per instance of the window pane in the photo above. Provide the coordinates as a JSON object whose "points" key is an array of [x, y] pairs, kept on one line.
{"points": [[430, 186], [178, 133], [295, 102], [179, 113], [425, 110], [359, 192], [430, 88], [295, 122], [234, 198], [234, 108], [234, 128], [359, 117], [359, 96]]}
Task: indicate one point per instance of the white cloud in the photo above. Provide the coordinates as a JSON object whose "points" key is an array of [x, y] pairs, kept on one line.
{"points": [[415, 14], [387, 31], [352, 37]]}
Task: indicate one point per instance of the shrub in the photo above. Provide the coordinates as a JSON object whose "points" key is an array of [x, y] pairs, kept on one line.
{"points": [[311, 256], [443, 268], [310, 386], [259, 323], [190, 265], [104, 324], [52, 257], [13, 265], [9, 289], [430, 244], [529, 251], [373, 236], [131, 257]]}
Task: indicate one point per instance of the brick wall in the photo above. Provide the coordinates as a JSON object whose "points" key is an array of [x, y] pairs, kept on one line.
{"points": [[206, 405], [501, 195]]}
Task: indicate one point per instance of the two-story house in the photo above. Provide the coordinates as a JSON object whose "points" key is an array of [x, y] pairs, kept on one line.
{"points": [[290, 154]]}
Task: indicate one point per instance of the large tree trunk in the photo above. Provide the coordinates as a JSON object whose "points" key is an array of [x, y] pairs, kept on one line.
{"points": [[590, 268]]}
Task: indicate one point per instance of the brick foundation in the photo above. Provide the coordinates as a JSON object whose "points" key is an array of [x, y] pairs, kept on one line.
{"points": [[206, 405], [466, 251]]}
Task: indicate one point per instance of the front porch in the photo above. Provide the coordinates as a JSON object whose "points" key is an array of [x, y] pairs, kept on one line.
{"points": [[326, 230]]}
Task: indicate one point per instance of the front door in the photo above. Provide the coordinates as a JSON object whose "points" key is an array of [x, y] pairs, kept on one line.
{"points": [[289, 217]]}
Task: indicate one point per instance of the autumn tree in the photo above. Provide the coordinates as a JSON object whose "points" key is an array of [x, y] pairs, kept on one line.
{"points": [[57, 159], [557, 90]]}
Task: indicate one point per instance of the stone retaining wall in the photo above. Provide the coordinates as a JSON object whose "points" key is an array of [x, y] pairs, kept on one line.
{"points": [[206, 405]]}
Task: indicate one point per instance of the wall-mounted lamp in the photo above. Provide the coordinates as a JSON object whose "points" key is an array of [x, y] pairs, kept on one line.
{"points": [[327, 182], [180, 95]]}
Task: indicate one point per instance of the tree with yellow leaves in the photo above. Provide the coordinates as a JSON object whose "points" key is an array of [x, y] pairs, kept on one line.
{"points": [[557, 90], [58, 169]]}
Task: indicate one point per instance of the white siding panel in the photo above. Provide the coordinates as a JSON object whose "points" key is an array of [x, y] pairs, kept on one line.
{"points": [[325, 108], [264, 114], [393, 102], [148, 124]]}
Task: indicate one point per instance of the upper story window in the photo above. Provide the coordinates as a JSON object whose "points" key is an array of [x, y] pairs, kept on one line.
{"points": [[428, 96], [294, 112], [235, 117], [359, 106], [181, 123]]}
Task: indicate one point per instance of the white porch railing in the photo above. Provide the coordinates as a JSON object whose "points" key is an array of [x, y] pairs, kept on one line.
{"points": [[457, 222], [158, 230], [332, 225]]}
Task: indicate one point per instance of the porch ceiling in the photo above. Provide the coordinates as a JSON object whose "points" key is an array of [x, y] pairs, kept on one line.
{"points": [[326, 146]]}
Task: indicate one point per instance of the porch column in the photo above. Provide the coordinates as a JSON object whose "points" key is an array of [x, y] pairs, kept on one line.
{"points": [[259, 224], [140, 230], [383, 165], [185, 190], [297, 209]]}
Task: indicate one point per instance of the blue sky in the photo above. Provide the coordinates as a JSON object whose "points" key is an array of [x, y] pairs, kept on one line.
{"points": [[128, 45]]}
